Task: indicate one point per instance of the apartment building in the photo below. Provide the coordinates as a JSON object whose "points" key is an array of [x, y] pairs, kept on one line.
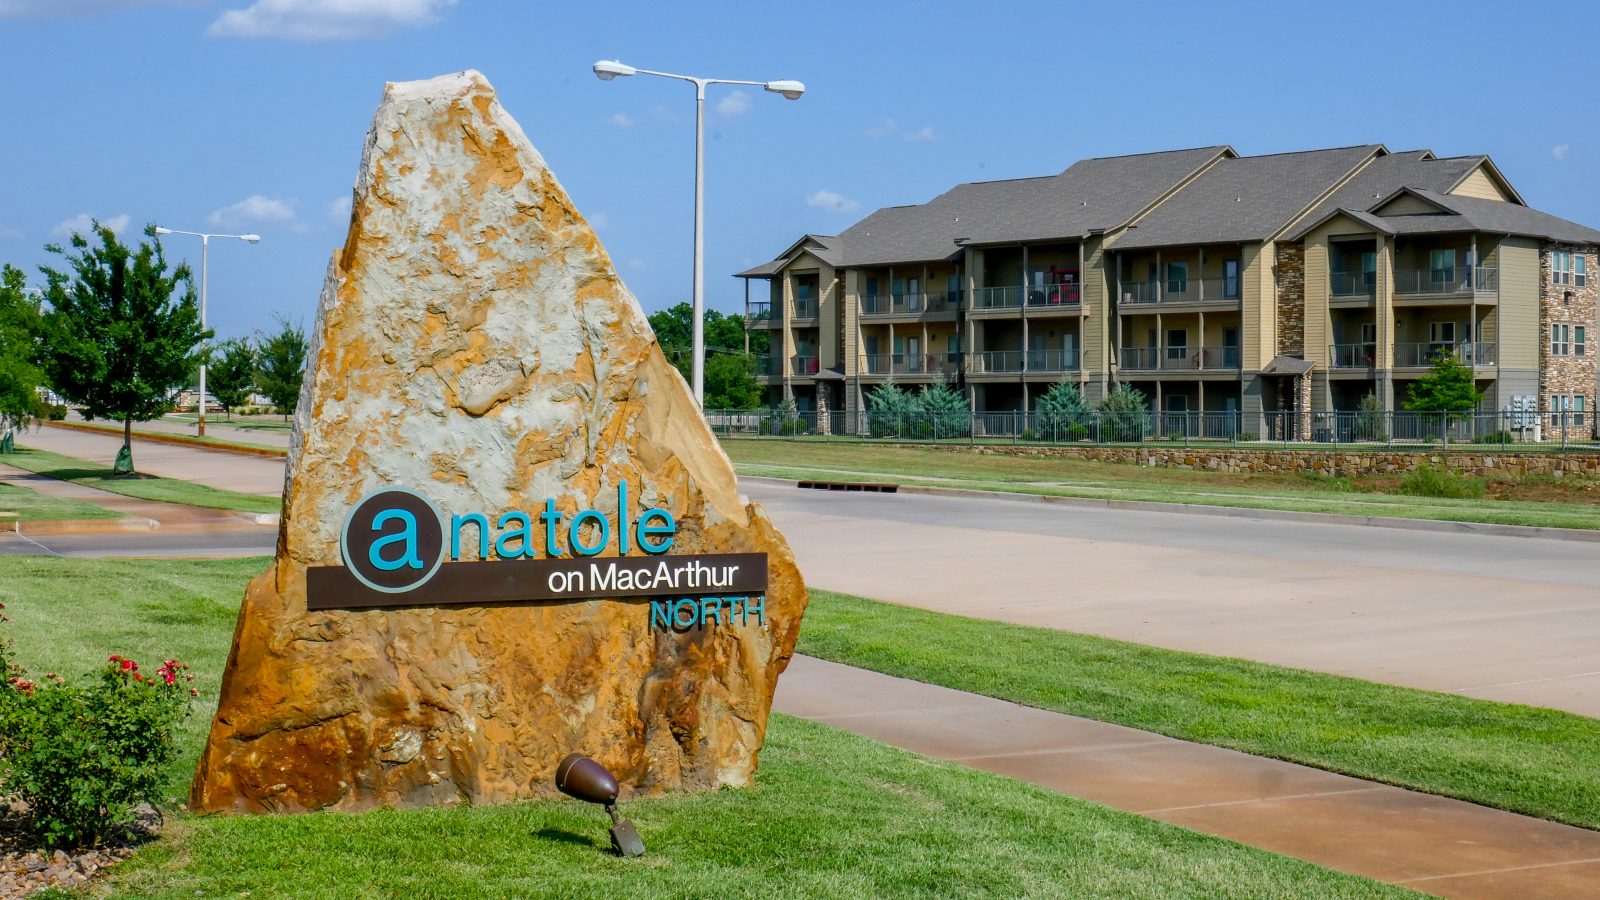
{"points": [[1211, 281]]}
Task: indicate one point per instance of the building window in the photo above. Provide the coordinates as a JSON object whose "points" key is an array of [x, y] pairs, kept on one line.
{"points": [[1177, 343], [1177, 278], [1230, 279], [1569, 340], [1369, 269], [1568, 410], [1567, 267], [1442, 266]]}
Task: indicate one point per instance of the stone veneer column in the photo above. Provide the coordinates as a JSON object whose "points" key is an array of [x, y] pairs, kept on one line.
{"points": [[1568, 304]]}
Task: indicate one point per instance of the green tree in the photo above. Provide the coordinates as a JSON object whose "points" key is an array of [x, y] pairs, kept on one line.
{"points": [[123, 330], [281, 365], [889, 409], [1059, 409], [1369, 419], [944, 410], [1123, 414], [731, 382], [674, 328], [20, 379], [232, 373], [1448, 388]]}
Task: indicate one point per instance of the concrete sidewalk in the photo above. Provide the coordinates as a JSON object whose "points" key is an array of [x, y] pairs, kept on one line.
{"points": [[1431, 844], [153, 512], [225, 471]]}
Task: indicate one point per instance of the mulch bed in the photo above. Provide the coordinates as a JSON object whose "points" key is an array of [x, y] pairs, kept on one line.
{"points": [[25, 867]]}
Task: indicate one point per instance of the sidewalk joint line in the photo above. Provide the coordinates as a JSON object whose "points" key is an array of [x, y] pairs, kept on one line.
{"points": [[1548, 865], [1268, 799]]}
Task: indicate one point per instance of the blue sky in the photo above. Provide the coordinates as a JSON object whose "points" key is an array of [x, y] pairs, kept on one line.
{"points": [[249, 114]]}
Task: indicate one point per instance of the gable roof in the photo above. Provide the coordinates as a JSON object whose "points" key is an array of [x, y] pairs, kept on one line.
{"points": [[1093, 194], [1454, 214], [823, 246], [1249, 198]]}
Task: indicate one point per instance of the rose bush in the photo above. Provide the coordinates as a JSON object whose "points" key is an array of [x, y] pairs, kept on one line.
{"points": [[83, 755]]}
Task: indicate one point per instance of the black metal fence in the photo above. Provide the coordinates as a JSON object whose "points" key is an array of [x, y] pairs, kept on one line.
{"points": [[1544, 431]]}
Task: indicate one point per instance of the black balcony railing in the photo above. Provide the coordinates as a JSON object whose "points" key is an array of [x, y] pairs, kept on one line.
{"points": [[1180, 358], [1449, 280], [909, 304], [802, 365]]}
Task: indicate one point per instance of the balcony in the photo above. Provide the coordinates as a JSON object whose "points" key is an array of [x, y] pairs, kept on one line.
{"points": [[912, 364], [767, 367], [1180, 359], [1003, 362], [1353, 284], [1352, 356], [802, 365], [1420, 356], [1457, 280], [1223, 291], [805, 309], [1045, 296], [760, 315], [873, 305]]}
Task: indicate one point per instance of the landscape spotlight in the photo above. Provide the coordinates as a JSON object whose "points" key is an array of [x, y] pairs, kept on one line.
{"points": [[582, 778]]}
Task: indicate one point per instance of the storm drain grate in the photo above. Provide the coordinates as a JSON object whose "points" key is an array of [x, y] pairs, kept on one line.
{"points": [[856, 486]]}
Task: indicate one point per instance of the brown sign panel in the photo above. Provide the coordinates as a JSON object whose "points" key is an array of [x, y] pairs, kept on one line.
{"points": [[521, 580]]}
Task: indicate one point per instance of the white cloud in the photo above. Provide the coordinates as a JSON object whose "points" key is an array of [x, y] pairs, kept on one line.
{"points": [[63, 9], [665, 113], [338, 209], [599, 221], [832, 202], [733, 105], [82, 222], [637, 264], [326, 20], [256, 210], [8, 233], [1559, 151], [883, 129], [925, 133], [621, 120]]}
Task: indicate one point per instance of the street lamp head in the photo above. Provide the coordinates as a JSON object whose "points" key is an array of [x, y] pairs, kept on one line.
{"points": [[607, 69], [160, 230], [789, 89], [250, 238]]}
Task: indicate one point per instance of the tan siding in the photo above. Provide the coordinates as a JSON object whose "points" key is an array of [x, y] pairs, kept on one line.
{"points": [[1383, 317], [1318, 327], [1095, 331], [1480, 185], [1407, 205], [1519, 304], [849, 322], [828, 301], [1259, 306]]}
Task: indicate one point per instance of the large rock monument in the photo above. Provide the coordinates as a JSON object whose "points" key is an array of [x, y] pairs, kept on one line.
{"points": [[508, 535]]}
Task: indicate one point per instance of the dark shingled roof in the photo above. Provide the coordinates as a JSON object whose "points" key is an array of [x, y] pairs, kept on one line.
{"points": [[823, 246], [1383, 177], [1496, 216], [1249, 198], [1100, 193]]}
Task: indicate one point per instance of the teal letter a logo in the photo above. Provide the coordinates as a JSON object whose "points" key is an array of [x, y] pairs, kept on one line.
{"points": [[408, 556]]}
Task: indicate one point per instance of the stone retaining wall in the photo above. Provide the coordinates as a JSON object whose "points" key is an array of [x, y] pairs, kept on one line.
{"points": [[1345, 463]]}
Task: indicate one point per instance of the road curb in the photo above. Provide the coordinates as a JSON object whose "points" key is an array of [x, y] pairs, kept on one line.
{"points": [[156, 437], [87, 526], [1244, 512]]}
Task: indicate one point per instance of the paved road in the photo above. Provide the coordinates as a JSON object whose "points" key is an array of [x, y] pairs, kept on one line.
{"points": [[1511, 619]]}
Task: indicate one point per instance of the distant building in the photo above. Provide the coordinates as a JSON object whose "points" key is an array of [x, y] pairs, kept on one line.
{"points": [[1211, 281]]}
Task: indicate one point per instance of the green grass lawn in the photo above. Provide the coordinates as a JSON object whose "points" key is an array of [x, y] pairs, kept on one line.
{"points": [[166, 490], [1536, 761], [1071, 477], [32, 507], [833, 815]]}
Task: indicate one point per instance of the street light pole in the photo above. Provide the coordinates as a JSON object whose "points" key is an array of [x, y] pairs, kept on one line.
{"points": [[607, 70], [205, 246]]}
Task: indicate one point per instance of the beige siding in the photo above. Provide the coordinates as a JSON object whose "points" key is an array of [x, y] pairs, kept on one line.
{"points": [[850, 322], [1383, 317], [1481, 185], [1260, 306], [1096, 327], [1318, 327], [1519, 304], [1407, 205]]}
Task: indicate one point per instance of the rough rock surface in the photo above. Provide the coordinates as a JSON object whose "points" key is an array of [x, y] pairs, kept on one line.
{"points": [[475, 344]]}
